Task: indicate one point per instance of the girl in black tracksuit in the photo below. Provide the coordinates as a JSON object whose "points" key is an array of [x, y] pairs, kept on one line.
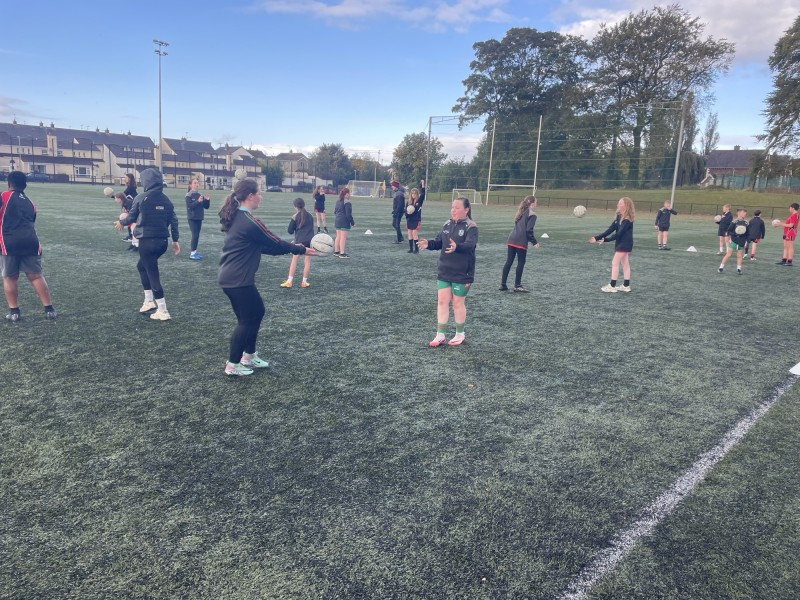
{"points": [[196, 206], [302, 226], [456, 269], [517, 243], [154, 216], [621, 233], [343, 221], [246, 239], [319, 208], [130, 194], [413, 210]]}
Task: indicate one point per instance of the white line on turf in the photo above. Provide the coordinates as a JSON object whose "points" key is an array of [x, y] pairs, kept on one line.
{"points": [[608, 559]]}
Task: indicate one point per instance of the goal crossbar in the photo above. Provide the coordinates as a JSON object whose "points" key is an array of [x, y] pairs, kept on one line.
{"points": [[473, 195]]}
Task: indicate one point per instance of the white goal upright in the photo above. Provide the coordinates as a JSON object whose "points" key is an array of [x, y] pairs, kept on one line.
{"points": [[363, 189], [474, 196]]}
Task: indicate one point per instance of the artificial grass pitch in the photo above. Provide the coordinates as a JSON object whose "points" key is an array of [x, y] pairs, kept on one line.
{"points": [[363, 464]]}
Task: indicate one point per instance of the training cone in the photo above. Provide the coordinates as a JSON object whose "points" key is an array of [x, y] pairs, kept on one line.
{"points": [[545, 236], [691, 249], [795, 370], [368, 232]]}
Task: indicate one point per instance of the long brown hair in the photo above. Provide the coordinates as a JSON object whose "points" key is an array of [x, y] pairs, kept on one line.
{"points": [[523, 207], [627, 209], [300, 205], [343, 192], [230, 205]]}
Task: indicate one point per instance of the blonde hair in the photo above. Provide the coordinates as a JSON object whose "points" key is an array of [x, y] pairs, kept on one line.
{"points": [[627, 209], [411, 196]]}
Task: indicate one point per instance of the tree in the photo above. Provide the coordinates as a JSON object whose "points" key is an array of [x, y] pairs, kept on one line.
{"points": [[409, 158], [274, 173], [783, 103], [650, 57], [710, 138], [368, 168], [331, 162]]}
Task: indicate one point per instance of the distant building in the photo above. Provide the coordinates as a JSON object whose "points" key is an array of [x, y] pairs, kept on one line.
{"points": [[734, 168]]}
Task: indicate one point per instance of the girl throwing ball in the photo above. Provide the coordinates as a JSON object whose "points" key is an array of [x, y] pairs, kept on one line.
{"points": [[302, 226], [621, 233], [456, 270]]}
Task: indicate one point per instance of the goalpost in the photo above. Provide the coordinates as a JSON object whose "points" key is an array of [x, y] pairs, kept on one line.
{"points": [[363, 189], [474, 196]]}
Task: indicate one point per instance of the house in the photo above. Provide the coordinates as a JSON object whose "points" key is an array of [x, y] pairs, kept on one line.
{"points": [[734, 168], [240, 159]]}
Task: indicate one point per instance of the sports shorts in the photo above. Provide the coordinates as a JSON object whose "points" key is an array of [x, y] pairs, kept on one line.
{"points": [[319, 210], [663, 227], [458, 289], [411, 226], [342, 229], [790, 237], [735, 247], [12, 265]]}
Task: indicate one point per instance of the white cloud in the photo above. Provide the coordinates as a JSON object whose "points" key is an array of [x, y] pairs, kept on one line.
{"points": [[433, 15], [12, 108], [753, 25]]}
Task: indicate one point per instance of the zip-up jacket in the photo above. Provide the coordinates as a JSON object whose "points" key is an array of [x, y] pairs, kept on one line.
{"points": [[725, 222], [319, 202], [302, 233], [458, 266], [414, 218], [245, 241], [663, 216], [756, 229], [738, 238], [130, 192], [523, 231], [195, 207], [398, 203], [620, 232], [152, 211], [17, 231], [343, 215]]}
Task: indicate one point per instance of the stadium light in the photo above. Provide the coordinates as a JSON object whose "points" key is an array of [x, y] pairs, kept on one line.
{"points": [[160, 51]]}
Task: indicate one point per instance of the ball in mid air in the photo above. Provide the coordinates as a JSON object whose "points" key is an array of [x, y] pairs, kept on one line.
{"points": [[108, 192], [579, 211]]}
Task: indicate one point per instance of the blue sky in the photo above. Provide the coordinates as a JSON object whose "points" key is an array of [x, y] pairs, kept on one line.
{"points": [[293, 74]]}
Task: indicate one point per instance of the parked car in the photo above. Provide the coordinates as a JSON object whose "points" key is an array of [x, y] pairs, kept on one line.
{"points": [[329, 191], [38, 177], [273, 188]]}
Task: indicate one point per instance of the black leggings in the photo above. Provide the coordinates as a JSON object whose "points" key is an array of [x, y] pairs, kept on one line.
{"points": [[194, 227], [521, 255], [396, 220], [150, 249], [249, 310]]}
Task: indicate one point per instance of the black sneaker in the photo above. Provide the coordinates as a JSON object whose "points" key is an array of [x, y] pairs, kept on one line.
{"points": [[738, 271], [344, 255], [503, 288], [521, 289], [133, 248], [721, 270], [781, 262]]}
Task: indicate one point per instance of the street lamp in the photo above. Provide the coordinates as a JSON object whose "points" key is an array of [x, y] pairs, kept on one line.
{"points": [[160, 51]]}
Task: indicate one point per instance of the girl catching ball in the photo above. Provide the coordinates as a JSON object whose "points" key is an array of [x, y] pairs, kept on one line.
{"points": [[621, 233], [302, 226]]}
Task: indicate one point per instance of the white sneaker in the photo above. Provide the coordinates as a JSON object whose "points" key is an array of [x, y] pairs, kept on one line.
{"points": [[252, 361], [457, 340], [609, 289], [148, 306], [237, 369], [160, 315], [624, 288]]}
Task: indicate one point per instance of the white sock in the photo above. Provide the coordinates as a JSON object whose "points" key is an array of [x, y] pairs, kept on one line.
{"points": [[722, 265], [148, 295], [289, 278], [194, 252], [305, 279], [161, 303]]}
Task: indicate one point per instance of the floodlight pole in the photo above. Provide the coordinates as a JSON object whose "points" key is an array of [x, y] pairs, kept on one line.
{"points": [[536, 164], [428, 151], [678, 154], [160, 51], [491, 155]]}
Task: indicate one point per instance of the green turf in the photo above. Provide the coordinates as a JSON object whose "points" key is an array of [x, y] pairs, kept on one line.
{"points": [[363, 464]]}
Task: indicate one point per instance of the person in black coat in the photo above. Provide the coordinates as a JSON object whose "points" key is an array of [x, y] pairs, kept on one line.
{"points": [[398, 206], [302, 226], [621, 233], [319, 208], [756, 230], [196, 206], [662, 224], [722, 228], [130, 194]]}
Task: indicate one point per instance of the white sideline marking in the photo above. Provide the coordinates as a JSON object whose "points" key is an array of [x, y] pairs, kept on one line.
{"points": [[607, 560]]}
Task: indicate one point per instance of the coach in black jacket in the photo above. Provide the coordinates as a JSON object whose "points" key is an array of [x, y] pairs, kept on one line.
{"points": [[398, 208]]}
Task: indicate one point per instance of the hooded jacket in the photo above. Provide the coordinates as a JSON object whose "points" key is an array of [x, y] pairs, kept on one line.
{"points": [[152, 211]]}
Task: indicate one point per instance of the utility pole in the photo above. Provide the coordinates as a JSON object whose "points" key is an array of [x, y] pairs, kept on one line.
{"points": [[160, 51]]}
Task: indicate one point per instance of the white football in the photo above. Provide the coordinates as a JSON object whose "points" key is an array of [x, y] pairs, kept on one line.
{"points": [[108, 192], [410, 209], [322, 243], [240, 174], [122, 216], [718, 218], [579, 211], [776, 222]]}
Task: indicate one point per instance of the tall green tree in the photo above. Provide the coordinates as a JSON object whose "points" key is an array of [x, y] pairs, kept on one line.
{"points": [[330, 161], [410, 156], [649, 57], [273, 173], [783, 103]]}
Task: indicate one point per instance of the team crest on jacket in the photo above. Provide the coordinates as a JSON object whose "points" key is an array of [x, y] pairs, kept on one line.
{"points": [[460, 232]]}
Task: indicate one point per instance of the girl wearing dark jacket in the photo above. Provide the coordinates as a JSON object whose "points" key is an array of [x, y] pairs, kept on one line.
{"points": [[246, 239], [455, 271], [302, 226], [621, 233], [414, 216], [196, 205], [130, 194], [343, 220], [155, 219], [319, 208], [517, 243]]}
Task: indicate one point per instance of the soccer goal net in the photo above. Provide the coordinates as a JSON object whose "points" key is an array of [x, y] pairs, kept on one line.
{"points": [[474, 196], [365, 189]]}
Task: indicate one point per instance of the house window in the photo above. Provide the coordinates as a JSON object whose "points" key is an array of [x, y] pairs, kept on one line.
{"points": [[60, 153], [82, 171]]}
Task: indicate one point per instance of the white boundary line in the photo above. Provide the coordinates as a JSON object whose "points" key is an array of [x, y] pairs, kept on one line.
{"points": [[609, 558]]}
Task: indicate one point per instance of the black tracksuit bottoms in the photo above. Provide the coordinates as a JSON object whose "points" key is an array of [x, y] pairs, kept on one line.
{"points": [[150, 250], [249, 310], [194, 227], [521, 255]]}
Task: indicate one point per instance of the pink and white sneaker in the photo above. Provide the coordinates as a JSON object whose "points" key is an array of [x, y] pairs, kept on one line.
{"points": [[437, 341], [457, 340]]}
